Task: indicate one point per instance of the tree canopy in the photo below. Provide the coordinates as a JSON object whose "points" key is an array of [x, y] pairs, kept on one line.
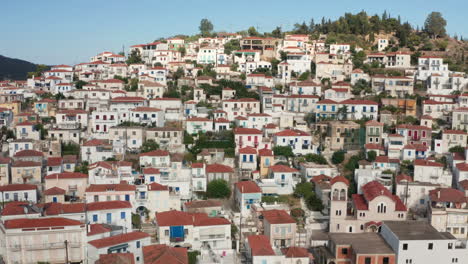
{"points": [[206, 27], [134, 57], [218, 189], [149, 145], [435, 25]]}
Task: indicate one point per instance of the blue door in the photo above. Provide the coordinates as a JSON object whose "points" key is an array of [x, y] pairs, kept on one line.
{"points": [[54, 199], [127, 197], [109, 218]]}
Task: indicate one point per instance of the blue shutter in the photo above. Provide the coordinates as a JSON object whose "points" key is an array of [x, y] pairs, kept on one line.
{"points": [[127, 197], [109, 218], [122, 215], [251, 158], [95, 218]]}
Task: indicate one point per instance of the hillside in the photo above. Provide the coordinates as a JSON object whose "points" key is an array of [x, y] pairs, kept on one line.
{"points": [[15, 69]]}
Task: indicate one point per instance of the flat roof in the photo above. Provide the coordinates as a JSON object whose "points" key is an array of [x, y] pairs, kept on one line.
{"points": [[365, 243], [416, 230]]}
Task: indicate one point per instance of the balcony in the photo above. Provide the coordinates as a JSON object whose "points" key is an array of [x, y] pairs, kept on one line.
{"points": [[72, 188], [212, 236], [177, 239]]}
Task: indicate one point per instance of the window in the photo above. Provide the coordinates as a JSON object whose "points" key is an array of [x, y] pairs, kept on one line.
{"points": [[409, 261], [122, 215], [367, 260], [138, 244], [386, 260], [405, 246], [344, 251], [450, 245], [166, 232], [430, 246], [95, 218]]}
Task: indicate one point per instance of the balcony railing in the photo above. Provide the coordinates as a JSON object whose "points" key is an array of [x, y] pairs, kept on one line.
{"points": [[177, 239]]}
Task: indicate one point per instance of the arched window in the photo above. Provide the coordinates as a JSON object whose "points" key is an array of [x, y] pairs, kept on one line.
{"points": [[350, 229], [343, 194], [381, 208], [335, 194]]}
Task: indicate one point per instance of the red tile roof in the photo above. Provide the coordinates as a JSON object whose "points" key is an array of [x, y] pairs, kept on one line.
{"points": [[373, 189], [29, 153], [448, 195], [459, 132], [151, 171], [173, 218], [292, 133], [295, 252], [427, 163], [260, 245], [265, 152], [155, 153], [67, 175], [116, 258], [358, 102], [282, 168], [17, 187], [373, 123], [339, 179], [54, 191], [94, 143], [20, 163], [118, 239], [40, 222], [108, 205], [98, 229], [59, 208], [163, 254], [248, 187], [462, 166], [248, 150], [54, 161], [157, 187], [278, 217], [218, 168], [111, 187], [247, 131], [386, 159]]}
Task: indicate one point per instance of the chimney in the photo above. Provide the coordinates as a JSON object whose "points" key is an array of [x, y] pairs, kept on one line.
{"points": [[438, 194], [88, 227]]}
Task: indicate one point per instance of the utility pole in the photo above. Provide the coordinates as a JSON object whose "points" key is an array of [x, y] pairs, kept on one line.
{"points": [[66, 252]]}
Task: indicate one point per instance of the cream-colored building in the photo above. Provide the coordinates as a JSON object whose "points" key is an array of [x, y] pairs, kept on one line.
{"points": [[374, 205], [26, 172], [448, 211], [46, 240]]}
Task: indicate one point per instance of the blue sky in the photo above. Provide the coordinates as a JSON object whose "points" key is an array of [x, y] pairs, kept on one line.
{"points": [[57, 31]]}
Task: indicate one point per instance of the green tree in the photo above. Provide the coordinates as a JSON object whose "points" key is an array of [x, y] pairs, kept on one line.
{"points": [[371, 155], [457, 149], [303, 189], [149, 145], [133, 85], [218, 189], [82, 168], [79, 84], [70, 149], [358, 59], [277, 33], [285, 151], [40, 68], [314, 203], [134, 57], [231, 46], [42, 130], [338, 157], [304, 76], [435, 25], [206, 27], [253, 32], [315, 158], [182, 51], [192, 256]]}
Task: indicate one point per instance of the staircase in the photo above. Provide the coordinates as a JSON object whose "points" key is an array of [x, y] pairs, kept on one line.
{"points": [[150, 229]]}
